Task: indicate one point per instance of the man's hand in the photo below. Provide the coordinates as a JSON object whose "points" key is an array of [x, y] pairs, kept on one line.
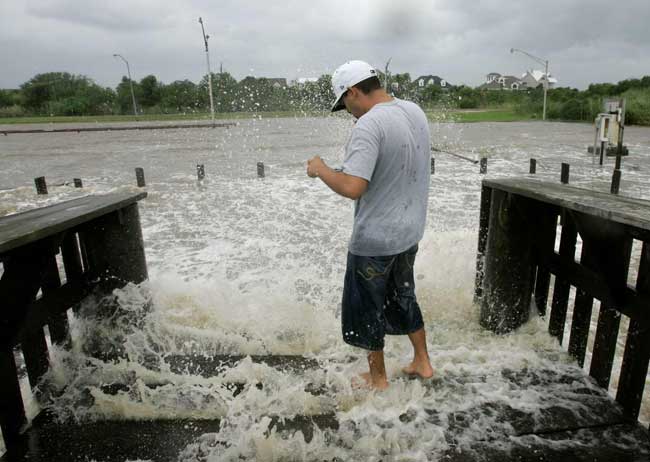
{"points": [[314, 166], [341, 183]]}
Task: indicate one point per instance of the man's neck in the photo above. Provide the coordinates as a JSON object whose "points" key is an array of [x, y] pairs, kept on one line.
{"points": [[377, 97]]}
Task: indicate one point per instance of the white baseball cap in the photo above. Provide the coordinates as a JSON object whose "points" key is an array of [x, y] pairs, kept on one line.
{"points": [[348, 75]]}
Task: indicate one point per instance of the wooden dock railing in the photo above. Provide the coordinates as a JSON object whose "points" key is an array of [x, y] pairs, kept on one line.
{"points": [[100, 242], [517, 256]]}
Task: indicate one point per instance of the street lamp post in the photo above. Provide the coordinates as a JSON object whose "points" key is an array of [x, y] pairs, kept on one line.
{"points": [[128, 71], [207, 57], [545, 63]]}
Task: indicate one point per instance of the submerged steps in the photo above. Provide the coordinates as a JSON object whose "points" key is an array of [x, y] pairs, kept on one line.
{"points": [[574, 420]]}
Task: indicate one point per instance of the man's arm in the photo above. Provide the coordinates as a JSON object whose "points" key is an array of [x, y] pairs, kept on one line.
{"points": [[349, 186]]}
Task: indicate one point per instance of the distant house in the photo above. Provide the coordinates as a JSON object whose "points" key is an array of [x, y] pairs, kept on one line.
{"points": [[534, 78], [278, 82], [496, 81], [425, 80], [304, 80]]}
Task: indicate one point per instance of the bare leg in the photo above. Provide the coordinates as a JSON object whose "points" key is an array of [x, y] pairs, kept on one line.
{"points": [[421, 365], [376, 378]]}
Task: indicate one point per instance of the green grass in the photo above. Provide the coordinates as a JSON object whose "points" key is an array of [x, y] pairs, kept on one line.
{"points": [[150, 117], [487, 115]]}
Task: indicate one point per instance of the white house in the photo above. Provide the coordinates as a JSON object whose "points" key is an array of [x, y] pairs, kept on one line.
{"points": [[535, 78], [426, 80]]}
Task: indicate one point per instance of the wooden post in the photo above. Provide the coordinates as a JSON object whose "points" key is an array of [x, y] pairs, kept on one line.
{"points": [[200, 172], [78, 183], [561, 290], [12, 409], [614, 261], [115, 250], [484, 221], [433, 165], [260, 169], [616, 181], [582, 310], [483, 166], [543, 237], [564, 177], [41, 185], [57, 323], [509, 265], [533, 166], [637, 349], [139, 176]]}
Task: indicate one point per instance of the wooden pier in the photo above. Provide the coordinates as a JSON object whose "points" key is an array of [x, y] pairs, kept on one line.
{"points": [[99, 241], [516, 257]]}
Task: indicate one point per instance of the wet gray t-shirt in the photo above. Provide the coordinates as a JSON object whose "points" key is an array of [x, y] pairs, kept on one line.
{"points": [[390, 147]]}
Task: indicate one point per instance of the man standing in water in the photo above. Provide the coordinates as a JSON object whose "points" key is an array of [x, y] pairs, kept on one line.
{"points": [[386, 171]]}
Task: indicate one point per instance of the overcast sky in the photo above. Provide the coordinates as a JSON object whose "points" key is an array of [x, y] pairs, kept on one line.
{"points": [[584, 40]]}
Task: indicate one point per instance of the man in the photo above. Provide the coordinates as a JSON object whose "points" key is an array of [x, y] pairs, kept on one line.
{"points": [[386, 171]]}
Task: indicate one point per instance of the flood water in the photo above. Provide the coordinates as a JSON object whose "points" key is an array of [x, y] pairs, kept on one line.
{"points": [[243, 265]]}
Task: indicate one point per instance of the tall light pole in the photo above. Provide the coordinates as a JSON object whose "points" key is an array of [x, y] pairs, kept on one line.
{"points": [[545, 63], [128, 71], [207, 57]]}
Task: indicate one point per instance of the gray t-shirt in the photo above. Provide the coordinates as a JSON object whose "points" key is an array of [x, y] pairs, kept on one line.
{"points": [[390, 147]]}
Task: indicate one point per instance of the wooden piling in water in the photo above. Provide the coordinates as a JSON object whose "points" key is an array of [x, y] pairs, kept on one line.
{"points": [[616, 181], [433, 165], [533, 166], [483, 166], [260, 169], [564, 176], [507, 282], [78, 183], [200, 172], [139, 176], [41, 185]]}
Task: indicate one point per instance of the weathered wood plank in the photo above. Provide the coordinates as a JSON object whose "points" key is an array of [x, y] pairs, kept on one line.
{"points": [[58, 322], [12, 410], [562, 287], [23, 228], [543, 236], [637, 349], [615, 261], [626, 300], [625, 210], [484, 222], [582, 309]]}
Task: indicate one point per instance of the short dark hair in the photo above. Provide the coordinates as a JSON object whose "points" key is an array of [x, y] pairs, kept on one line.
{"points": [[368, 85]]}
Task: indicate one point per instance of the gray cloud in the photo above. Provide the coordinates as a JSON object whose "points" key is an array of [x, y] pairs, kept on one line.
{"points": [[584, 40]]}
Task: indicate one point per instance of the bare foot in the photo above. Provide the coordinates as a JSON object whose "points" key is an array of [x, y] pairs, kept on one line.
{"points": [[421, 369], [365, 381]]}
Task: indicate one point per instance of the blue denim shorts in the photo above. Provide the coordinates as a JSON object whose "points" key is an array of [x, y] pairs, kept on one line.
{"points": [[379, 299]]}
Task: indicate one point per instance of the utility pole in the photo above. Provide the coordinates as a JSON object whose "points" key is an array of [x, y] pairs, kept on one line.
{"points": [[128, 71], [207, 57], [545, 63]]}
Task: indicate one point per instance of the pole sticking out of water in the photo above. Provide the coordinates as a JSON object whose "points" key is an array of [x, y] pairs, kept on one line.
{"points": [[564, 177], [200, 171], [260, 169], [483, 167], [533, 166], [616, 181], [433, 165], [78, 183], [41, 185], [139, 176], [207, 58]]}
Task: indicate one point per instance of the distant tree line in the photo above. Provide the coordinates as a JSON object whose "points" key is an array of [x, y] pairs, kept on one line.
{"points": [[62, 93]]}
